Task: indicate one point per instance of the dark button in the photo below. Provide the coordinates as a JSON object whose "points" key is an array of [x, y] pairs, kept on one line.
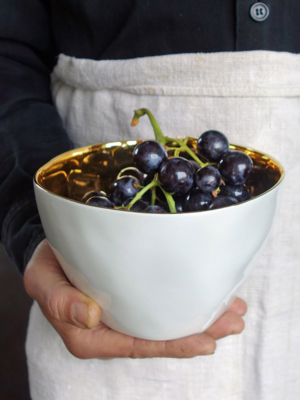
{"points": [[259, 12]]}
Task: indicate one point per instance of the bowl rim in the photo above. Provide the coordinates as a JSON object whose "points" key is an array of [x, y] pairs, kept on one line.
{"points": [[79, 150]]}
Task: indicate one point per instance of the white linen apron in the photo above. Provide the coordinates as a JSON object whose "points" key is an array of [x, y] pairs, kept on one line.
{"points": [[254, 99]]}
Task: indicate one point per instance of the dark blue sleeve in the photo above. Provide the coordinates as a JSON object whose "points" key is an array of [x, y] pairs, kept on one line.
{"points": [[31, 131]]}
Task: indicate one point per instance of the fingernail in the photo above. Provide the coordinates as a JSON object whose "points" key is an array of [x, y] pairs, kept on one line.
{"points": [[80, 314]]}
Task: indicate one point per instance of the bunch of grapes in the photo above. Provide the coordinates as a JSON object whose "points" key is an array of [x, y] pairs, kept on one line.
{"points": [[215, 177]]}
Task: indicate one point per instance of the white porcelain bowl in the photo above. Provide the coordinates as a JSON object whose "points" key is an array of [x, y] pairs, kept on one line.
{"points": [[155, 276]]}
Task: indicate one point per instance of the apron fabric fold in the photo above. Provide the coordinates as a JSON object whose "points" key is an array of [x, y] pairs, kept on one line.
{"points": [[253, 97]]}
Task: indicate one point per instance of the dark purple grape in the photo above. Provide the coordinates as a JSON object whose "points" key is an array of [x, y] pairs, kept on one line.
{"points": [[131, 171], [155, 209], [149, 155], [176, 175], [196, 200], [139, 205], [164, 206], [208, 179], [99, 202], [212, 145], [123, 189], [93, 193], [235, 167], [179, 203], [222, 201], [240, 192], [148, 179]]}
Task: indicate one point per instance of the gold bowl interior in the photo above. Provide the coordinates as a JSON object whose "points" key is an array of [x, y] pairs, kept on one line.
{"points": [[96, 167]]}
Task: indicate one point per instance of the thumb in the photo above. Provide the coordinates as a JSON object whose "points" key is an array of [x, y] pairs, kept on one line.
{"points": [[46, 283]]}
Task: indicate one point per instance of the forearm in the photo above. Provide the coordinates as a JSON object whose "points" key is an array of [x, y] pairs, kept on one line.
{"points": [[31, 130], [43, 137]]}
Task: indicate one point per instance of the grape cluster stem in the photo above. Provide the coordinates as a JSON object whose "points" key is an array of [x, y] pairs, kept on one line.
{"points": [[164, 140]]}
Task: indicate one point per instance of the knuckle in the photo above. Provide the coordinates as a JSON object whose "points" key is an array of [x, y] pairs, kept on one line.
{"points": [[82, 349], [134, 354], [206, 346], [78, 346], [234, 324], [237, 326], [211, 348], [55, 305], [188, 350], [74, 347], [191, 349], [139, 348]]}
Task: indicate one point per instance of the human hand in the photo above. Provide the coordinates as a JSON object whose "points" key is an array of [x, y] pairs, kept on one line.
{"points": [[76, 318]]}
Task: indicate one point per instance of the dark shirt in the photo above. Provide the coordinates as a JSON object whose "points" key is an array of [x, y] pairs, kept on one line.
{"points": [[34, 32]]}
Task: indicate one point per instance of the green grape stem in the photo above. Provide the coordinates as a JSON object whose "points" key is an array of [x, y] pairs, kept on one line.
{"points": [[177, 152], [170, 201], [157, 131], [153, 184], [141, 193], [163, 139], [186, 148], [153, 195]]}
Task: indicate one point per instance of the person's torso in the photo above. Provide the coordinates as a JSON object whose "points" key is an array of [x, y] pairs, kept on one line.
{"points": [[251, 96], [122, 29]]}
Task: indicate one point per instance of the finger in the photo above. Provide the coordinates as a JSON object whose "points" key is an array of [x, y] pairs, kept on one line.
{"points": [[46, 283], [187, 347], [239, 307], [228, 324], [103, 342]]}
